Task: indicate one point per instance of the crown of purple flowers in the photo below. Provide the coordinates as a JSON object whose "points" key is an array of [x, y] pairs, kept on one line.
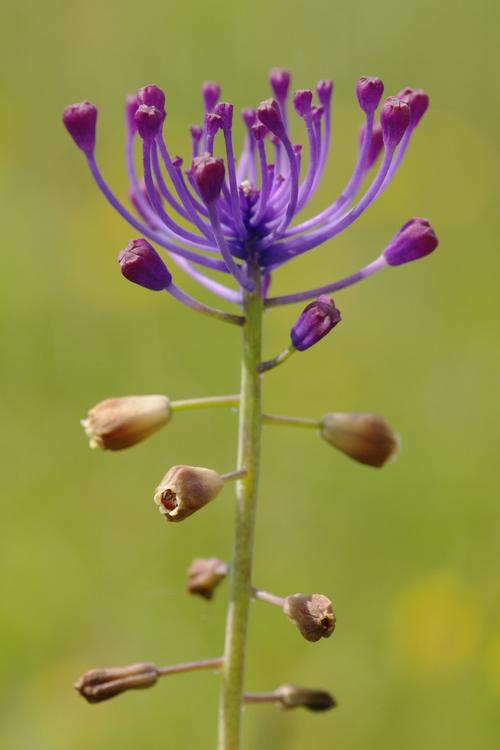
{"points": [[243, 211]]}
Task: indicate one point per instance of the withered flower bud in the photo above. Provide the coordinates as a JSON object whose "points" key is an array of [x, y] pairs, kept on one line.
{"points": [[292, 696], [366, 438], [312, 613], [204, 575], [101, 684], [118, 423], [185, 489]]}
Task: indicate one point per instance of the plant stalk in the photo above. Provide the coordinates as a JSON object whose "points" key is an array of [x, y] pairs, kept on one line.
{"points": [[250, 427]]}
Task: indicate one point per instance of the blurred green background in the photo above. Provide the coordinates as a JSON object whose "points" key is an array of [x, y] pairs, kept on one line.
{"points": [[409, 555]]}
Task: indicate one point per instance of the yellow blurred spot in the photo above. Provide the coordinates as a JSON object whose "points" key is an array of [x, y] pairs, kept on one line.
{"points": [[436, 623]]}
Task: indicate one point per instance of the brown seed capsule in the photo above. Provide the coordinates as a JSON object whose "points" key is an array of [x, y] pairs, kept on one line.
{"points": [[101, 684], [366, 438], [118, 423], [185, 489], [204, 575], [292, 696], [312, 613]]}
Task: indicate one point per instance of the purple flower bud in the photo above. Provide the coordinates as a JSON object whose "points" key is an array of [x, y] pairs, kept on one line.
{"points": [[259, 131], [225, 112], [249, 116], [269, 114], [324, 90], [414, 240], [394, 119], [141, 264], [369, 91], [152, 96], [418, 101], [177, 162], [211, 93], [213, 123], [376, 144], [302, 101], [279, 78], [314, 322], [297, 149], [317, 113], [209, 173], [131, 106], [149, 121], [196, 133], [80, 121]]}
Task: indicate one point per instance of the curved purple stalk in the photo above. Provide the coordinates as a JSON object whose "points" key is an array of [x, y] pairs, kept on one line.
{"points": [[182, 233], [233, 267], [335, 286], [157, 237], [284, 251]]}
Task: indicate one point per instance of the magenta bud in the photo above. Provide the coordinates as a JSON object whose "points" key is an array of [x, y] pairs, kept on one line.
{"points": [[302, 101], [314, 322], [269, 114], [152, 96], [141, 264], [211, 93], [177, 162], [209, 173], [259, 131], [376, 144], [80, 122], [418, 101], [225, 112], [196, 133], [149, 121], [249, 116], [415, 240], [213, 123], [279, 78], [394, 119], [297, 149], [324, 89], [317, 113], [131, 106], [369, 91]]}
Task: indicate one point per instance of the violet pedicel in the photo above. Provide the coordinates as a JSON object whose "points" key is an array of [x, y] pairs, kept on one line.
{"points": [[238, 218]]}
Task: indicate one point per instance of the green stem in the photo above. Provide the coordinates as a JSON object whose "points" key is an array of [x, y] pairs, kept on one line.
{"points": [[275, 419], [270, 364], [202, 403], [246, 498]]}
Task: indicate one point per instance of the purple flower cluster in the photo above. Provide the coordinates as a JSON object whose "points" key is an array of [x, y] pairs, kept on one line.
{"points": [[242, 212]]}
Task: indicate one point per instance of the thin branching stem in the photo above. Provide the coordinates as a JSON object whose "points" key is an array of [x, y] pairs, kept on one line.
{"points": [[204, 403]]}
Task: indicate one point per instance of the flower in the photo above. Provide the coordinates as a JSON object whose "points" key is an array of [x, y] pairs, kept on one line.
{"points": [[118, 423], [366, 438], [185, 489], [314, 322], [312, 613], [141, 264], [204, 575], [292, 696], [415, 240], [101, 684], [225, 214]]}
